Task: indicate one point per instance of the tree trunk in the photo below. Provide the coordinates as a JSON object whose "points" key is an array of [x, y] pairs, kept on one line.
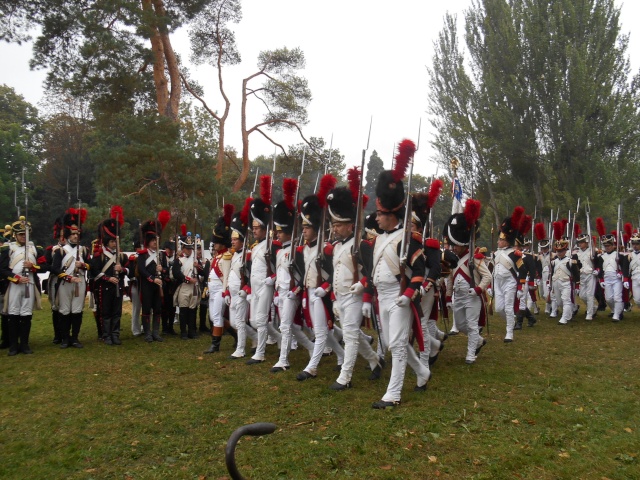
{"points": [[172, 106], [159, 77], [245, 140]]}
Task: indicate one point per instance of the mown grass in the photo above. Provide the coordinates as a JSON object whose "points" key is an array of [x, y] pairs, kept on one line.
{"points": [[559, 402]]}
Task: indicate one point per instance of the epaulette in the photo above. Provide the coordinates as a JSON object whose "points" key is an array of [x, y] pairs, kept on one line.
{"points": [[277, 243], [254, 244], [517, 253], [133, 257], [367, 242], [478, 256], [227, 255], [300, 248], [432, 243], [50, 247], [142, 251], [97, 251], [328, 249]]}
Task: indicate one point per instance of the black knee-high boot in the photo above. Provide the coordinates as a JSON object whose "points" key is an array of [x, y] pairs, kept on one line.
{"points": [[4, 342], [55, 320], [25, 330], [76, 323], [65, 329], [14, 325]]}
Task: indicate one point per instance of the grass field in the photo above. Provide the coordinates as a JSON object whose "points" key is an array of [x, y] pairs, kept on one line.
{"points": [[561, 402]]}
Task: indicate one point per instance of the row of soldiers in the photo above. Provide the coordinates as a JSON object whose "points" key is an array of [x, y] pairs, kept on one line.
{"points": [[288, 286]]}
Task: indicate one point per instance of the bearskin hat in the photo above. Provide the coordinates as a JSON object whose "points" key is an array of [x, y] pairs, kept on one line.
{"points": [[509, 229], [169, 244], [238, 227], [341, 206], [460, 226], [222, 228], [311, 212], [283, 217], [150, 230], [260, 212], [371, 225], [72, 220], [57, 228], [108, 230], [390, 194]]}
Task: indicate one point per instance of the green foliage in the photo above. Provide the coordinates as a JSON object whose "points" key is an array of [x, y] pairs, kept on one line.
{"points": [[543, 110], [374, 168]]}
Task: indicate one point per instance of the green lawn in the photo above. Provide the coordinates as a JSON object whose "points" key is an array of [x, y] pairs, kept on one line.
{"points": [[559, 402]]}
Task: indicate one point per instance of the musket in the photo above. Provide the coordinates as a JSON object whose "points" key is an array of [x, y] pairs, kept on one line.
{"points": [[315, 188], [118, 249], [76, 292], [267, 253], [294, 229], [618, 234], [429, 222], [406, 237], [246, 237], [357, 230], [533, 222], [321, 229], [196, 240], [587, 211], [573, 227], [25, 271]]}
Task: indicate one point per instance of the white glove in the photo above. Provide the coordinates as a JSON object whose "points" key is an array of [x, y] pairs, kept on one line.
{"points": [[619, 274], [490, 292], [520, 294], [595, 273], [423, 292], [356, 289], [626, 285], [249, 297], [449, 305], [602, 285], [277, 302], [269, 281], [576, 292], [242, 293], [537, 282], [304, 303], [533, 287], [320, 292], [367, 308], [403, 301], [472, 291], [336, 312], [227, 300], [291, 295]]}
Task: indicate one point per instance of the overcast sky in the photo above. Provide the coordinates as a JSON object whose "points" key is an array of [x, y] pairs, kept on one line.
{"points": [[363, 58]]}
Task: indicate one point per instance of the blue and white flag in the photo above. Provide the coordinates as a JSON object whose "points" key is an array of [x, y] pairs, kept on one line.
{"points": [[456, 193]]}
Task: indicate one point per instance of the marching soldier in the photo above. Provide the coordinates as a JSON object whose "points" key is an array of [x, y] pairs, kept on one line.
{"points": [[348, 284], [152, 273], [314, 284], [262, 277], [5, 234], [235, 296], [70, 265], [20, 263], [610, 266], [544, 266], [565, 274], [397, 314], [169, 288], [586, 260], [185, 272], [205, 263], [285, 299], [528, 289], [468, 296], [510, 272], [134, 291], [632, 269], [108, 269], [218, 276]]}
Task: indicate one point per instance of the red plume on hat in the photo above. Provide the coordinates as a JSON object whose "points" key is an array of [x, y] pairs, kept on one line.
{"points": [[289, 187], [558, 229], [525, 226], [183, 229], [265, 189], [516, 217], [327, 183], [406, 150], [576, 229], [472, 211], [602, 230], [628, 229], [244, 213], [227, 213], [540, 231], [353, 179], [434, 192], [82, 212], [564, 223], [117, 214], [163, 217]]}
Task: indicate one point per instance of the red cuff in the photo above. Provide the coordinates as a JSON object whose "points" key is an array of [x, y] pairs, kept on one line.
{"points": [[247, 289], [448, 299], [367, 298], [532, 284], [363, 281], [225, 293], [332, 296], [409, 292], [325, 286], [479, 290]]}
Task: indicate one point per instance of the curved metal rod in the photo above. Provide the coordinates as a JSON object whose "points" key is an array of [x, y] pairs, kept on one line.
{"points": [[253, 429]]}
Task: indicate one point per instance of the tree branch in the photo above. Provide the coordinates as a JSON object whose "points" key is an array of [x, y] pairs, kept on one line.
{"points": [[192, 92]]}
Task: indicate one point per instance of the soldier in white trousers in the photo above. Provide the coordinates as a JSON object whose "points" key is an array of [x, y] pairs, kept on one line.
{"points": [[610, 266], [631, 278], [588, 274], [348, 283], [286, 301], [565, 275], [509, 272], [467, 291]]}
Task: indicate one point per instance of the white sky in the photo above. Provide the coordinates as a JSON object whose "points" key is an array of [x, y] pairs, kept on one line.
{"points": [[363, 59]]}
